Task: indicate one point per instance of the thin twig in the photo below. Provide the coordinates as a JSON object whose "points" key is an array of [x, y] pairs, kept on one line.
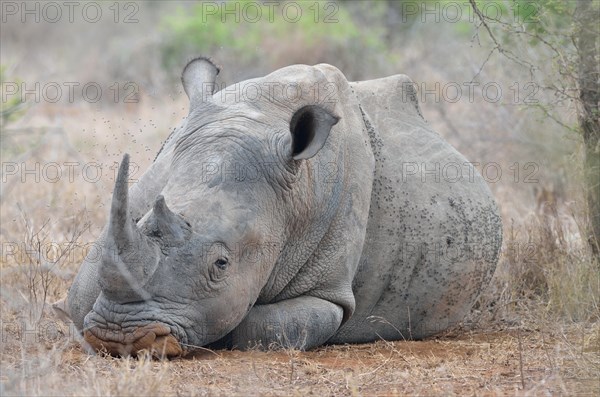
{"points": [[507, 53], [521, 358], [200, 348], [483, 65]]}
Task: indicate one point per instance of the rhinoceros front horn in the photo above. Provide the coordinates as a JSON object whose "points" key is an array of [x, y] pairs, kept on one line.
{"points": [[120, 225], [129, 258]]}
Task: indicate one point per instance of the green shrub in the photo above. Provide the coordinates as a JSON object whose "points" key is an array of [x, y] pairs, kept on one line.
{"points": [[206, 28], [12, 109]]}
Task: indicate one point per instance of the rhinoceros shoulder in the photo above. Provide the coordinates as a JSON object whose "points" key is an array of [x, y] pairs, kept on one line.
{"points": [[395, 94]]}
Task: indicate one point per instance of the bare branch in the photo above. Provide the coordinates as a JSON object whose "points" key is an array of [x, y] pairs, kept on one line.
{"points": [[507, 53]]}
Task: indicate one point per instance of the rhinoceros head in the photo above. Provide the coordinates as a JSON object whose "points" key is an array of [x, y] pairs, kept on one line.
{"points": [[189, 270]]}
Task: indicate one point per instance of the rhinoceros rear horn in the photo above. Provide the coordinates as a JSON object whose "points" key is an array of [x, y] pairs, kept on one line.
{"points": [[310, 128], [198, 80], [170, 227]]}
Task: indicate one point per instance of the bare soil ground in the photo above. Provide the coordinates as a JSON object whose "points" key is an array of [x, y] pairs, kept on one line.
{"points": [[564, 360]]}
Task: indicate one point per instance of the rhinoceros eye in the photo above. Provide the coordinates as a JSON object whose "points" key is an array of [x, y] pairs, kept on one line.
{"points": [[221, 263], [217, 271]]}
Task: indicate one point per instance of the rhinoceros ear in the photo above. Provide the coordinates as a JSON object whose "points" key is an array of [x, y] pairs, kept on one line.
{"points": [[310, 128], [198, 80]]}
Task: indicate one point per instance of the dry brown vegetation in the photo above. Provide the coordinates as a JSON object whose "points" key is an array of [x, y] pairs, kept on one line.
{"points": [[513, 361], [534, 331]]}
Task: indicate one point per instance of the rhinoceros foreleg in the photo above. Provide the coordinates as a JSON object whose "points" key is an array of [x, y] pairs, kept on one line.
{"points": [[299, 323]]}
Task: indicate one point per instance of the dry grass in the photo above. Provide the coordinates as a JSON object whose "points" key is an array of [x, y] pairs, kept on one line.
{"points": [[556, 360], [546, 272], [536, 330]]}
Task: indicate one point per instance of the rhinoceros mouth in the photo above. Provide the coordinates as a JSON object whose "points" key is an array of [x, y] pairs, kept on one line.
{"points": [[154, 338]]}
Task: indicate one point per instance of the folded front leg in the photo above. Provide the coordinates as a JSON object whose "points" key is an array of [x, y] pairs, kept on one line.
{"points": [[299, 323]]}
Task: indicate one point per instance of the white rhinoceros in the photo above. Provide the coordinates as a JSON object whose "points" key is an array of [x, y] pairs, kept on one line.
{"points": [[303, 209]]}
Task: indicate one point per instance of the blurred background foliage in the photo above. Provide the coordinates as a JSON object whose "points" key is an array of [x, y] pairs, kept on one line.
{"points": [[12, 107], [261, 36], [529, 128], [253, 24], [438, 43], [435, 42]]}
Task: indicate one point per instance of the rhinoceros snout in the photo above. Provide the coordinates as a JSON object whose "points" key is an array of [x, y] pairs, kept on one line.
{"points": [[155, 338]]}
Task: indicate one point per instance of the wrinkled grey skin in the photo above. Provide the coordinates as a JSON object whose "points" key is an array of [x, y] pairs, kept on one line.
{"points": [[334, 238]]}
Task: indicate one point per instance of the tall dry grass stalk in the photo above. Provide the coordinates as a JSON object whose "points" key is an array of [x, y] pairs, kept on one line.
{"points": [[546, 271]]}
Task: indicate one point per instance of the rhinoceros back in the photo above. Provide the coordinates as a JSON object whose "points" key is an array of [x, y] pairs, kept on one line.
{"points": [[434, 233]]}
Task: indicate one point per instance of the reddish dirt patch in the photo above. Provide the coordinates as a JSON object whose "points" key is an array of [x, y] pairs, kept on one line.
{"points": [[483, 363]]}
